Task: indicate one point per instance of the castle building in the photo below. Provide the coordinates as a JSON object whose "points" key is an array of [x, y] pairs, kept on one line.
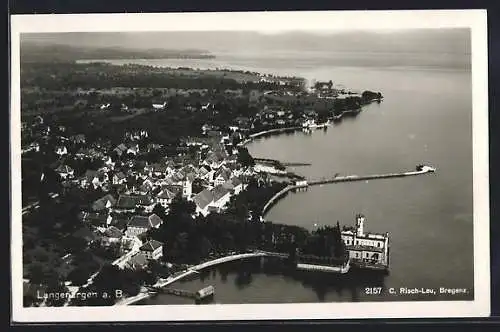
{"points": [[366, 250]]}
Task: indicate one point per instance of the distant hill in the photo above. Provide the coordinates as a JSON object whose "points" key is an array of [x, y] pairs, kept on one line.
{"points": [[444, 45], [399, 41], [47, 52]]}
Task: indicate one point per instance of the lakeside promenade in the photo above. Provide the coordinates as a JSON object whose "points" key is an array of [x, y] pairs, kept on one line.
{"points": [[193, 270], [266, 132]]}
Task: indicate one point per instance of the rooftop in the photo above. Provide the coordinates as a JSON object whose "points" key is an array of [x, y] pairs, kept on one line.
{"points": [[120, 175], [364, 248], [219, 192], [127, 201], [64, 169], [113, 232], [90, 174], [204, 198], [151, 245], [137, 260], [145, 222], [101, 203]]}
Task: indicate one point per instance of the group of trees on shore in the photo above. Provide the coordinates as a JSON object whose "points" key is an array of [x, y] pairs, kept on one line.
{"points": [[189, 240]]}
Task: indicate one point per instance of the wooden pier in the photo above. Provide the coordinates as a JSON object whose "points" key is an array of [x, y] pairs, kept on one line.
{"points": [[295, 164], [278, 163], [199, 295]]}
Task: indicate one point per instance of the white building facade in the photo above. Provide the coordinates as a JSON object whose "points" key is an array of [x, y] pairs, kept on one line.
{"points": [[366, 249]]}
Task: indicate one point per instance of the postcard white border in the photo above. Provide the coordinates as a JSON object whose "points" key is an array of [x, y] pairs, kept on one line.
{"points": [[272, 21]]}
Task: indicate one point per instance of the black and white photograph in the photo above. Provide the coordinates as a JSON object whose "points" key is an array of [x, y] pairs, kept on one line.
{"points": [[236, 166]]}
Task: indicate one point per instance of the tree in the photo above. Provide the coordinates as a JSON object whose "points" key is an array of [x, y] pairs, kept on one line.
{"points": [[75, 244], [159, 211], [244, 157], [181, 206], [339, 245], [79, 276], [30, 300], [227, 241], [41, 274], [205, 247]]}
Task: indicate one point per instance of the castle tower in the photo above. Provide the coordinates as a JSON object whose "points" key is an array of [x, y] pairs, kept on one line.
{"points": [[360, 220]]}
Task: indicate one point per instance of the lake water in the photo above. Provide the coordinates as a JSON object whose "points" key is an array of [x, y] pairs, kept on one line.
{"points": [[426, 116]]}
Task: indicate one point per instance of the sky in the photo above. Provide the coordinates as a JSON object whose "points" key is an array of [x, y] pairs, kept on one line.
{"points": [[456, 41]]}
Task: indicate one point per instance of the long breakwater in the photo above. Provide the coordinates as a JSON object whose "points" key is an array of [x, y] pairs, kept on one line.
{"points": [[335, 179]]}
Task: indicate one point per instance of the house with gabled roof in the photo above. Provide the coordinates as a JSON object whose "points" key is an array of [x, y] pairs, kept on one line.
{"points": [[153, 147], [150, 182], [96, 218], [119, 222], [90, 178], [228, 185], [159, 169], [177, 177], [110, 164], [167, 195], [104, 203], [152, 250], [221, 197], [65, 172], [238, 185], [213, 160], [203, 201], [147, 202], [203, 172], [129, 243], [137, 262], [119, 178], [141, 224], [142, 190], [234, 185], [120, 149], [133, 149], [221, 175], [77, 139], [61, 150], [112, 235], [126, 203], [88, 153], [232, 159]]}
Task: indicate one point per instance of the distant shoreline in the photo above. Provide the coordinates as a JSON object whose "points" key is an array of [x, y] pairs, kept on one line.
{"points": [[33, 52], [181, 67]]}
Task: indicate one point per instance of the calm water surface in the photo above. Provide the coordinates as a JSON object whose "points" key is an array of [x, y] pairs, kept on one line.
{"points": [[426, 116]]}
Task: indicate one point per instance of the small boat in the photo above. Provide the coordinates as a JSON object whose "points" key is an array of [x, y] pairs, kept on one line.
{"points": [[425, 168]]}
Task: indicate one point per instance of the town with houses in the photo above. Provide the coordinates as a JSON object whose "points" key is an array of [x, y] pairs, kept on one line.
{"points": [[141, 186], [124, 194]]}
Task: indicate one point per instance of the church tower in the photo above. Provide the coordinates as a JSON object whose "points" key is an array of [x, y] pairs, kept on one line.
{"points": [[187, 188], [360, 220]]}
